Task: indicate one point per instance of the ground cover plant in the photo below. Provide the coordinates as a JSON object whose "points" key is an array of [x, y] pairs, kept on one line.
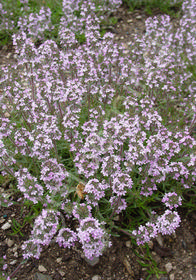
{"points": [[15, 13], [89, 132], [165, 6]]}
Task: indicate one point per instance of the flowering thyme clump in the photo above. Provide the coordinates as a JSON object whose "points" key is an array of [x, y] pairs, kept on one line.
{"points": [[36, 23], [66, 237], [93, 237], [94, 113], [168, 222], [165, 224], [82, 211], [145, 233], [28, 185], [53, 174], [172, 200], [44, 229]]}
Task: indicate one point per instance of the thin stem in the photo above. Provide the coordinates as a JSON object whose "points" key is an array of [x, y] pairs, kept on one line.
{"points": [[55, 149], [115, 208], [9, 171], [32, 82], [24, 118], [124, 231], [192, 125], [60, 110], [18, 268]]}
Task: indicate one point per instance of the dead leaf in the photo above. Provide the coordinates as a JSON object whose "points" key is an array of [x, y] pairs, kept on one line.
{"points": [[128, 267]]}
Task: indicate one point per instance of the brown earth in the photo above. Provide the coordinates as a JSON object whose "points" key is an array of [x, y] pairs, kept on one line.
{"points": [[174, 254]]}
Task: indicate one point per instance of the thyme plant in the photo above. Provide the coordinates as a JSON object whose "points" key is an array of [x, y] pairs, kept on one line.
{"points": [[87, 131]]}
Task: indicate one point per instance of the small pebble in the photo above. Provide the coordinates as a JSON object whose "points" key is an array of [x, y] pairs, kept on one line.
{"points": [[13, 262], [150, 244], [8, 55], [92, 262], [15, 248], [40, 276], [2, 221], [138, 17], [129, 20], [62, 273], [96, 277], [59, 260], [156, 258], [168, 267], [41, 268], [184, 245], [116, 218], [10, 243], [159, 239], [194, 259], [7, 115], [6, 226], [128, 244], [172, 276]]}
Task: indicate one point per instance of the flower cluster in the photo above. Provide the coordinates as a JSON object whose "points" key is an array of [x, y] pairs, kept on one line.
{"points": [[29, 186], [81, 211], [5, 22], [172, 200], [66, 237], [53, 174], [44, 229], [92, 237], [36, 23], [165, 224]]}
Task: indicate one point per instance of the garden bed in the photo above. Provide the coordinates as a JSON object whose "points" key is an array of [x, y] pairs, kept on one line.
{"points": [[174, 254]]}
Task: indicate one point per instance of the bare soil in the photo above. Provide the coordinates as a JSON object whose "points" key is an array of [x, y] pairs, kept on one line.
{"points": [[175, 255]]}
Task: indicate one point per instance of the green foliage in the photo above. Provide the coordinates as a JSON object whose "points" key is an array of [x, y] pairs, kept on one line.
{"points": [[148, 6], [17, 227], [5, 37], [80, 37], [33, 209], [189, 202], [146, 261], [56, 9], [112, 20]]}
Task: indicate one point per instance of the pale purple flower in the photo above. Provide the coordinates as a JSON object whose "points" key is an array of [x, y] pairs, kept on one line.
{"points": [[5, 266], [94, 191], [93, 237], [29, 186], [118, 204], [82, 211], [172, 200], [168, 222], [66, 237]]}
